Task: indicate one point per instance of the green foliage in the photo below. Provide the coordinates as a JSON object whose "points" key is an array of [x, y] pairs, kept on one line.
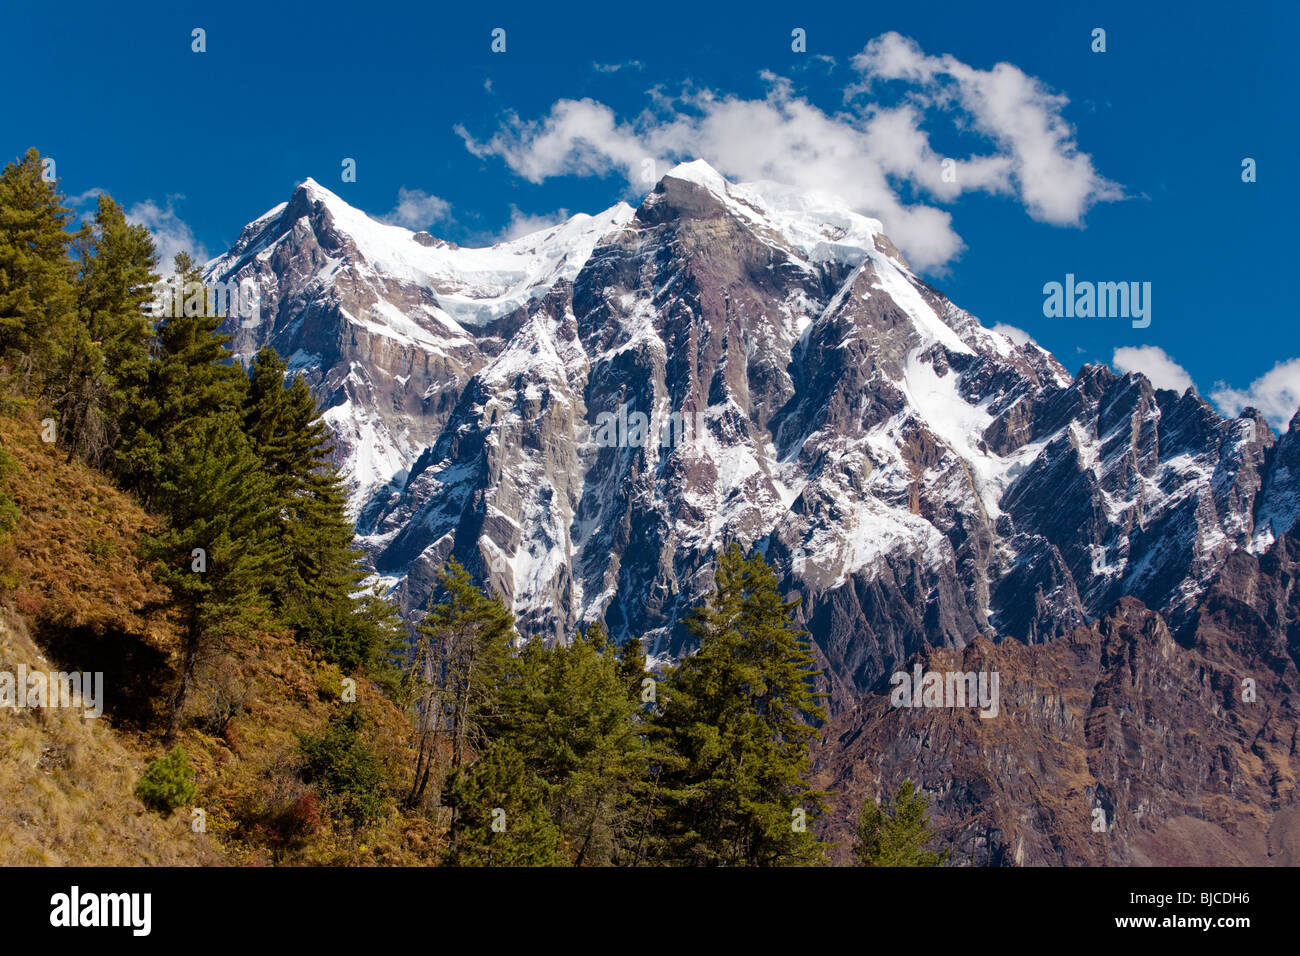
{"points": [[294, 445], [8, 507], [359, 633], [189, 379], [319, 578], [37, 308], [215, 494], [9, 515], [501, 807], [459, 659], [345, 769], [570, 712], [735, 726], [167, 783], [581, 770], [896, 834], [107, 363], [631, 665]]}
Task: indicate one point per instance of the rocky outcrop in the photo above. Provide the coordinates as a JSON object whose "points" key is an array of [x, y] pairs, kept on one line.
{"points": [[1113, 745]]}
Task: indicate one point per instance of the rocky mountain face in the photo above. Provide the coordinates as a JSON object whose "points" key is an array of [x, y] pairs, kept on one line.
{"points": [[1114, 744], [586, 415], [387, 325]]}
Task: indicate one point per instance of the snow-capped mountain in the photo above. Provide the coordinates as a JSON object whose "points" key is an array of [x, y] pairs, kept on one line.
{"points": [[586, 415], [388, 324]]}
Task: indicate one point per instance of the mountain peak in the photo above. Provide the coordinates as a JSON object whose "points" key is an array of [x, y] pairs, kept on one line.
{"points": [[700, 172], [309, 197], [310, 185], [818, 226]]}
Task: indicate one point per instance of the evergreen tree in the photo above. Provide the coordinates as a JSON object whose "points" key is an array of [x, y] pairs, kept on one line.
{"points": [[106, 367], [168, 783], [567, 709], [631, 665], [190, 378], [318, 584], [461, 653], [37, 307], [502, 809], [896, 834], [217, 551], [294, 443], [343, 767], [735, 728]]}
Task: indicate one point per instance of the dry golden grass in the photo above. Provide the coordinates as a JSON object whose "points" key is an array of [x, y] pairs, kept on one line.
{"points": [[75, 542], [67, 786], [84, 600]]}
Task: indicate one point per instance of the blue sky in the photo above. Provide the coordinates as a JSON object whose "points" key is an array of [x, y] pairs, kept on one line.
{"points": [[1117, 166]]}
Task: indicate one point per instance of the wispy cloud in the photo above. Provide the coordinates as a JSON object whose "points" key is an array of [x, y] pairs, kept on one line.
{"points": [[1276, 394], [81, 199], [417, 209], [615, 67], [1015, 334], [170, 233], [522, 223]]}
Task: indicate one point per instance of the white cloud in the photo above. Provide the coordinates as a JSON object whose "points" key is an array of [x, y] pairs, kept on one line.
{"points": [[578, 137], [1056, 182], [615, 67], [416, 209], [170, 234], [522, 223], [1155, 363], [865, 155], [1276, 394], [87, 196], [1019, 336]]}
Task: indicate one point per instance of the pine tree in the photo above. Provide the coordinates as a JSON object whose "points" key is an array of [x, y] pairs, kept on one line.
{"points": [[631, 665], [217, 551], [896, 834], [191, 377], [461, 653], [319, 584], [167, 783], [106, 367], [567, 709], [501, 806], [735, 725], [37, 308], [344, 769]]}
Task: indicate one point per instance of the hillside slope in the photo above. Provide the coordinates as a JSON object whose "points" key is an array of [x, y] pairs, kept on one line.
{"points": [[78, 597], [66, 782]]}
